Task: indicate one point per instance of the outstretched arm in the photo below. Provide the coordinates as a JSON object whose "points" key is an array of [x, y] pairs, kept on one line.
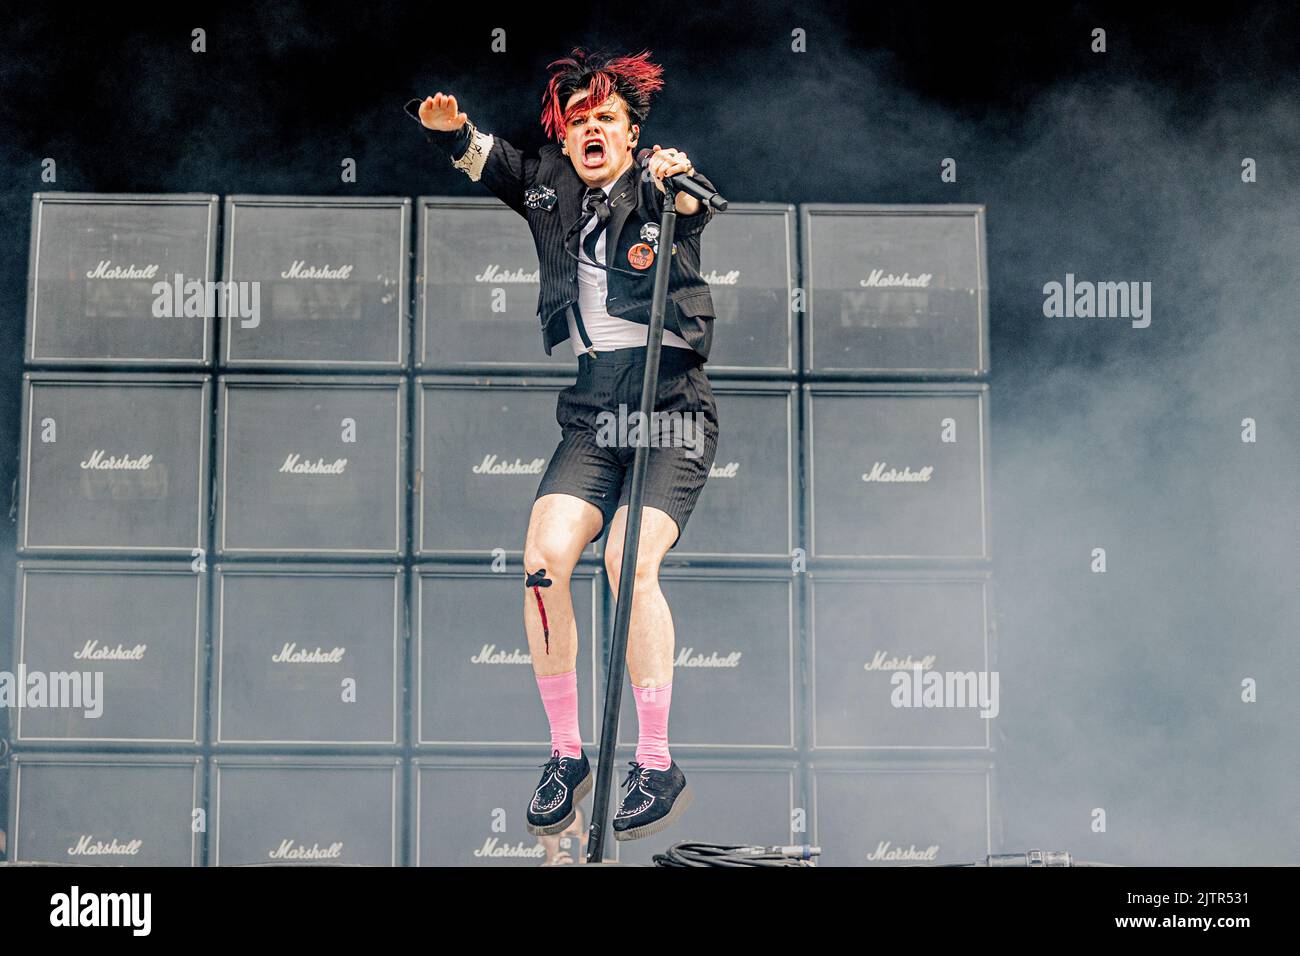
{"points": [[481, 156]]}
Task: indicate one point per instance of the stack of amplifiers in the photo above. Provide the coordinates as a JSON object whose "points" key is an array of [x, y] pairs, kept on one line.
{"points": [[894, 452], [112, 595], [360, 461], [171, 413], [485, 427]]}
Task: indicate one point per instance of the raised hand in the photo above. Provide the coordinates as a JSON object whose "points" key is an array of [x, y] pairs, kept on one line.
{"points": [[440, 112]]}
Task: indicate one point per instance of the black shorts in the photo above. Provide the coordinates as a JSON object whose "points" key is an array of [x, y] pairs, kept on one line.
{"points": [[594, 458]]}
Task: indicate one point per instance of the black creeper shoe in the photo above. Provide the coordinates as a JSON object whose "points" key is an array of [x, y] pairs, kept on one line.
{"points": [[653, 802], [565, 781]]}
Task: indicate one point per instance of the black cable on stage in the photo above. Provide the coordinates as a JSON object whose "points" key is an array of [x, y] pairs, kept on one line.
{"points": [[694, 853], [1031, 858]]}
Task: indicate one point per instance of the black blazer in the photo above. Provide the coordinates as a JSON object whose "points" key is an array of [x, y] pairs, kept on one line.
{"points": [[547, 191]]}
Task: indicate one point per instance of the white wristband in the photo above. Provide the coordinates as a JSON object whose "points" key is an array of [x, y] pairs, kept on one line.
{"points": [[475, 155]]}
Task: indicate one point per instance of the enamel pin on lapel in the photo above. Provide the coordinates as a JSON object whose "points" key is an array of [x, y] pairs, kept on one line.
{"points": [[540, 197], [650, 234]]}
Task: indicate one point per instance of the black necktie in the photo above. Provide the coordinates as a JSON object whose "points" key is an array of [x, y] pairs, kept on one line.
{"points": [[594, 204]]}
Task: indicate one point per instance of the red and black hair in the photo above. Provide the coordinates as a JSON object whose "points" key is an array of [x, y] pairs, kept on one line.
{"points": [[634, 78]]}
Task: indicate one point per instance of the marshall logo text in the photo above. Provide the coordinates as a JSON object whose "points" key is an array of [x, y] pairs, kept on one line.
{"points": [[878, 279], [106, 270], [490, 466], [300, 270], [320, 466], [495, 274], [114, 463], [289, 654]]}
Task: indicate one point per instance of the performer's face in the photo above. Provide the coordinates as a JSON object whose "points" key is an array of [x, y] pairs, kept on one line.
{"points": [[600, 143]]}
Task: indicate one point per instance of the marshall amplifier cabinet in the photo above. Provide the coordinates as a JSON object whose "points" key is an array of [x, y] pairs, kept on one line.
{"points": [[316, 282], [483, 446], [733, 661], [895, 290], [308, 654], [470, 812], [477, 291], [900, 660], [901, 816], [733, 804], [305, 810], [897, 471], [121, 279], [748, 258], [120, 810], [747, 508], [114, 462], [474, 682], [311, 466], [119, 647]]}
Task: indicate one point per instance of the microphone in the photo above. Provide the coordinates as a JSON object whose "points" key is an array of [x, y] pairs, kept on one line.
{"points": [[686, 184]]}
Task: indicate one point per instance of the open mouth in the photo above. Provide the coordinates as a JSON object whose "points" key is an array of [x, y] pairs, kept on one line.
{"points": [[593, 154]]}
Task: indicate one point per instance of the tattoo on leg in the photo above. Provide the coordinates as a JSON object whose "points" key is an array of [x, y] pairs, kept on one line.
{"points": [[538, 580]]}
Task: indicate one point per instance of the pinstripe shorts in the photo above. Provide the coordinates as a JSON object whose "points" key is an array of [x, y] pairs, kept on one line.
{"points": [[599, 414]]}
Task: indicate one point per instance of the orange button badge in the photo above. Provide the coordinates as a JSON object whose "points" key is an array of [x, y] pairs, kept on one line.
{"points": [[640, 256]]}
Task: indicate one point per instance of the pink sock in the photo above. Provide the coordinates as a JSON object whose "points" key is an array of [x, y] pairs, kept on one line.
{"points": [[652, 717], [560, 698]]}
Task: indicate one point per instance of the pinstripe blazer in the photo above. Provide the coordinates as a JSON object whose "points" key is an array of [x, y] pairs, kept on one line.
{"points": [[546, 190]]}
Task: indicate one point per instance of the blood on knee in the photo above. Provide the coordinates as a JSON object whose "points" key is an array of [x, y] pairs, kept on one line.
{"points": [[538, 580]]}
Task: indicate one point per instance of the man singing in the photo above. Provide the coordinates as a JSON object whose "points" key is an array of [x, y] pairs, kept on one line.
{"points": [[595, 222]]}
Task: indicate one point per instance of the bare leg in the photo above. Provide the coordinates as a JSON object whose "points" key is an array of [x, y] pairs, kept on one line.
{"points": [[559, 528], [650, 637]]}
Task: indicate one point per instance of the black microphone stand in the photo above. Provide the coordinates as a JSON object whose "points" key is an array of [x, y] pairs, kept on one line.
{"points": [[632, 535]]}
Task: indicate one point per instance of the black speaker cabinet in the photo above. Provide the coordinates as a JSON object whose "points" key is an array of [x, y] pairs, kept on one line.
{"points": [[867, 634], [311, 466], [748, 259], [331, 279], [105, 810], [130, 633], [734, 663], [114, 463], [308, 654], [895, 290], [902, 815], [474, 682], [897, 471], [305, 810], [121, 279], [477, 291]]}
